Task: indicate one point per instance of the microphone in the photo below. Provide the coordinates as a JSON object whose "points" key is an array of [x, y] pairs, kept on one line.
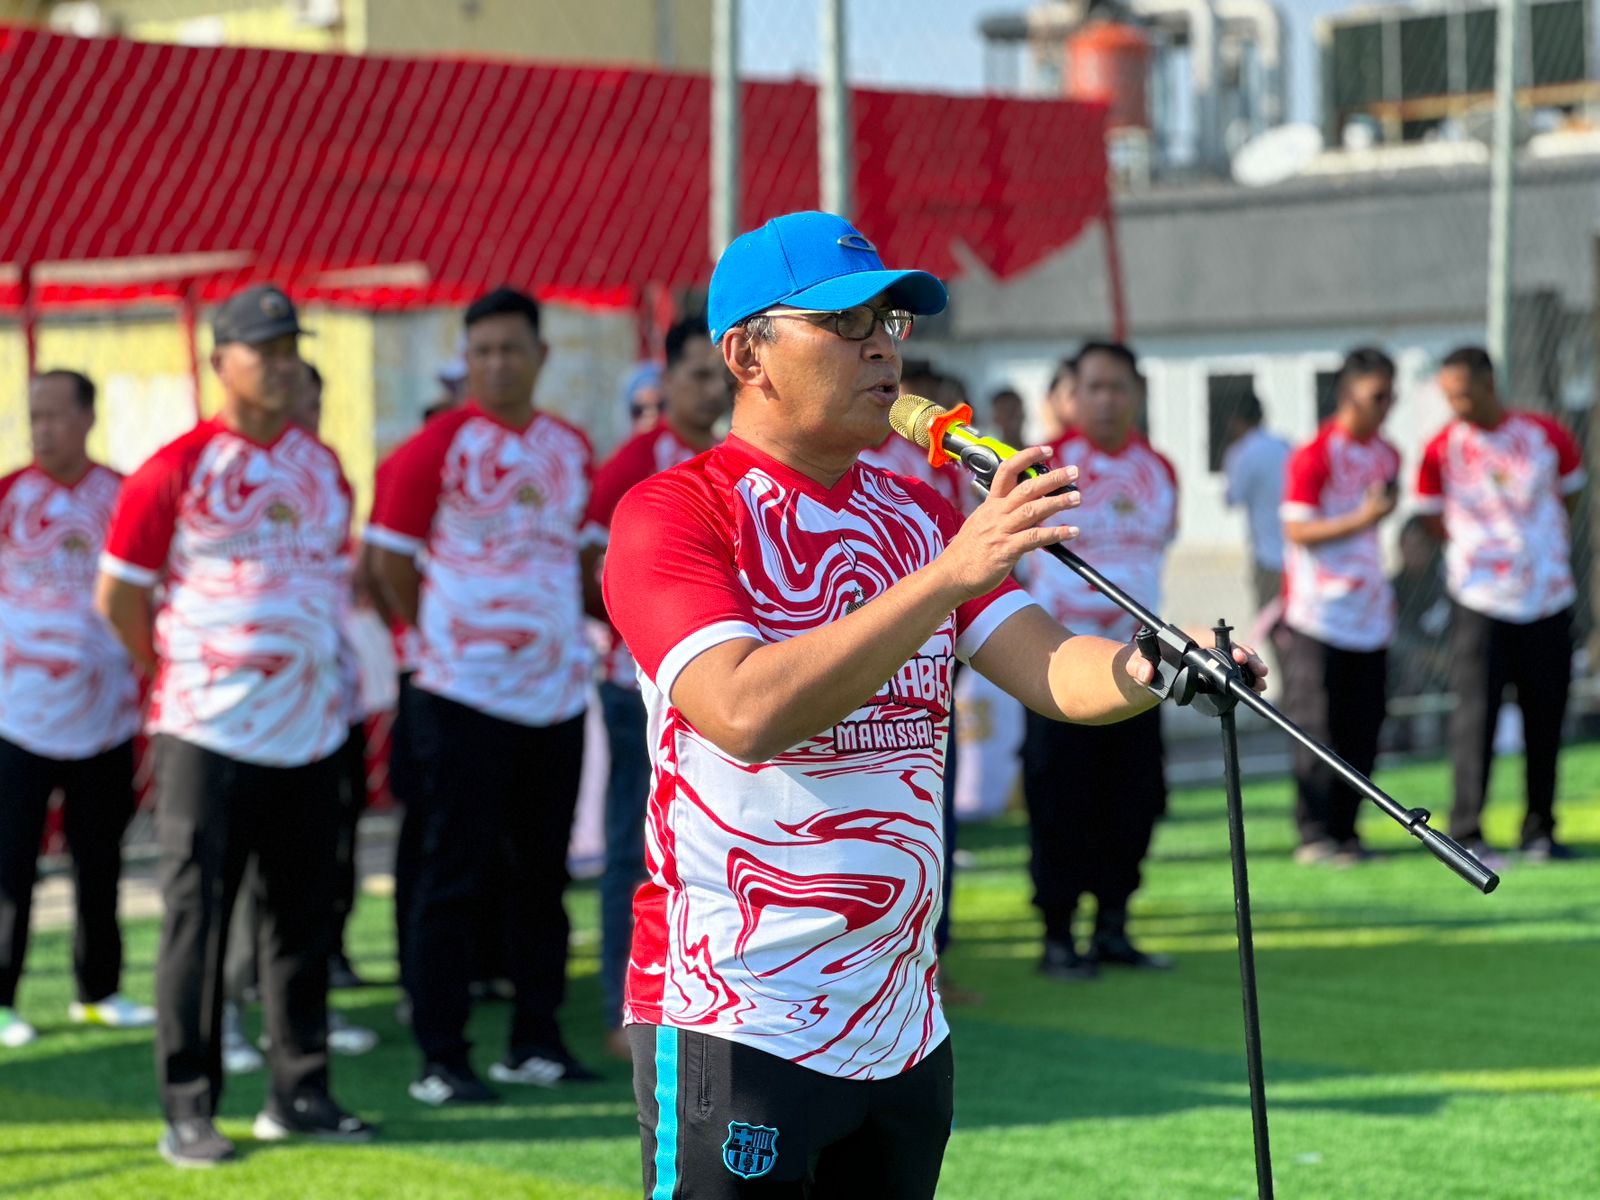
{"points": [[944, 434]]}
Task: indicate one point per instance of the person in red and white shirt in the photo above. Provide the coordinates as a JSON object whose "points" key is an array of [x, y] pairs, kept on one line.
{"points": [[795, 616], [1338, 602], [495, 495], [237, 535], [1500, 485], [695, 397], [1094, 794], [69, 703]]}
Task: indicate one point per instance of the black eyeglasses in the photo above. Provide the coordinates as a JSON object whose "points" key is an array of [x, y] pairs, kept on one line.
{"points": [[853, 324]]}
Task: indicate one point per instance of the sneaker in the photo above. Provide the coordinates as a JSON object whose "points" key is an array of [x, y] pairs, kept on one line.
{"points": [[14, 1031], [1543, 849], [543, 1067], [347, 1039], [1484, 853], [1351, 853], [1062, 961], [194, 1142], [239, 1057], [1116, 950], [439, 1085], [116, 1011], [1309, 854], [315, 1116], [342, 975]]}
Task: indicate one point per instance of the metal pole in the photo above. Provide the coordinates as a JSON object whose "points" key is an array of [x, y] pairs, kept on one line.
{"points": [[724, 124], [1501, 180], [833, 111]]}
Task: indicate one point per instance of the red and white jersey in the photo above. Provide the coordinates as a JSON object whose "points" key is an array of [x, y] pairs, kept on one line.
{"points": [[250, 547], [499, 513], [1337, 592], [638, 458], [1500, 492], [790, 904], [403, 637], [902, 457], [67, 687], [1127, 518]]}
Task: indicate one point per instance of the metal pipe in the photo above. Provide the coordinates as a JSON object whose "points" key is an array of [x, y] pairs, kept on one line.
{"points": [[724, 124], [833, 110], [1502, 171]]}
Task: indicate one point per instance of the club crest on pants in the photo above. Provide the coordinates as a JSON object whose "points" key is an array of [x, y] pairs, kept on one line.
{"points": [[751, 1150]]}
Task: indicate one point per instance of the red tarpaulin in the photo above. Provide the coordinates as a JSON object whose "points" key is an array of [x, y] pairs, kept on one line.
{"points": [[387, 182]]}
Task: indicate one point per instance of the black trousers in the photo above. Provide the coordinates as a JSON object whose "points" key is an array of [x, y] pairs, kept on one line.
{"points": [[722, 1120], [1094, 793], [496, 814], [1338, 697], [405, 785], [241, 963], [213, 814], [98, 802], [1485, 656]]}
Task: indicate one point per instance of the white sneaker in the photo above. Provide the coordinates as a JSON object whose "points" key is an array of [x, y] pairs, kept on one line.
{"points": [[345, 1038], [14, 1031], [541, 1072], [239, 1057], [116, 1011]]}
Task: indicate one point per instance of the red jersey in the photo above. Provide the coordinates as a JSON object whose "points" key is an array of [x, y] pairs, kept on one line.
{"points": [[249, 544], [790, 904], [499, 513], [67, 687]]}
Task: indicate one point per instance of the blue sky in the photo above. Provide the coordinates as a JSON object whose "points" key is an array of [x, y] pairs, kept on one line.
{"points": [[935, 43]]}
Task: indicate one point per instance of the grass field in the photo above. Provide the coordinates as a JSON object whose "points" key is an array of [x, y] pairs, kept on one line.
{"points": [[1421, 1041]]}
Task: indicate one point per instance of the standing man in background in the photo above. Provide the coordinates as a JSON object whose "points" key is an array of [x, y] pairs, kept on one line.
{"points": [[695, 391], [1253, 466], [244, 524], [1340, 606], [495, 494], [1009, 416], [1094, 792], [1501, 486], [69, 703]]}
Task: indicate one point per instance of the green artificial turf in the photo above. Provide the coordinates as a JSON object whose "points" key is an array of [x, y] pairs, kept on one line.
{"points": [[1421, 1040]]}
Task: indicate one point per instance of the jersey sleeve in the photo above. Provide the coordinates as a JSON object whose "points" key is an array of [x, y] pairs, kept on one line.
{"points": [[1430, 476], [630, 466], [590, 532], [1304, 478], [672, 588], [979, 617], [145, 519], [407, 490], [1569, 457]]}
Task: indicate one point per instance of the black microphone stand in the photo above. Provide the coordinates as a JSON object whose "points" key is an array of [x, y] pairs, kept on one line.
{"points": [[1208, 679]]}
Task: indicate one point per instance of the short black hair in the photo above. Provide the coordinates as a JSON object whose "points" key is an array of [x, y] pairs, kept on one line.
{"points": [[1065, 369], [1001, 392], [1248, 408], [1474, 358], [504, 302], [681, 334], [1117, 350], [1363, 360], [316, 375], [83, 389]]}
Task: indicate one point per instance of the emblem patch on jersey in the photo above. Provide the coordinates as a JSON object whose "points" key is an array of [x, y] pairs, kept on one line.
{"points": [[529, 495], [859, 600], [751, 1150], [282, 513], [75, 543]]}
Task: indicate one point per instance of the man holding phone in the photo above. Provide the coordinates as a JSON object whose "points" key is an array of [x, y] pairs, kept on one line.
{"points": [[1339, 607]]}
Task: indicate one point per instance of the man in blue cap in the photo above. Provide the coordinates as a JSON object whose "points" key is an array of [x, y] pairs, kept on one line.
{"points": [[795, 616]]}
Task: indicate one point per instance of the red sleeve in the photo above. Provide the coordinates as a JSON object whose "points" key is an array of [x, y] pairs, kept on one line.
{"points": [[9, 482], [1304, 478], [982, 615], [407, 496], [672, 588], [1430, 473], [631, 465], [1569, 458], [146, 515]]}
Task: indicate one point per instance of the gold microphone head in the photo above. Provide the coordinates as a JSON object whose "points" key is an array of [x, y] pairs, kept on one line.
{"points": [[912, 417]]}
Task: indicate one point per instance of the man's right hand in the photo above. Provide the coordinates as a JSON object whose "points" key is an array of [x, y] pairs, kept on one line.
{"points": [[1008, 524], [1379, 502]]}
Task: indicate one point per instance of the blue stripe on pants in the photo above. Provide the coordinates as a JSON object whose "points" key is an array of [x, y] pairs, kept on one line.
{"points": [[666, 1113]]}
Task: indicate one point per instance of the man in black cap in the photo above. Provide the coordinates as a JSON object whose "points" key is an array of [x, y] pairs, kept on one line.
{"points": [[244, 525]]}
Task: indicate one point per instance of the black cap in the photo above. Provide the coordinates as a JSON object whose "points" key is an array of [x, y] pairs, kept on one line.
{"points": [[255, 315]]}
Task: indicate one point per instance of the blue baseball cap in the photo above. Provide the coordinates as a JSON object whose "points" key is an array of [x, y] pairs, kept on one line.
{"points": [[810, 260]]}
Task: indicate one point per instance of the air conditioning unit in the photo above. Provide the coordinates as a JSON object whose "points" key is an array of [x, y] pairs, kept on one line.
{"points": [[318, 14]]}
